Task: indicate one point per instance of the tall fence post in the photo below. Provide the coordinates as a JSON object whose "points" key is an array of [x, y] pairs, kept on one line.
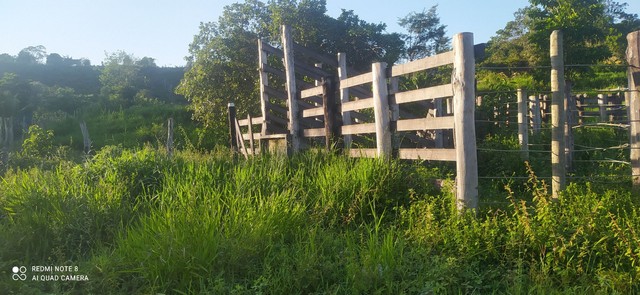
{"points": [[292, 93], [170, 137], [344, 95], [264, 82], [381, 109], [523, 124], [463, 81], [558, 158], [231, 111], [332, 125], [570, 113], [633, 75]]}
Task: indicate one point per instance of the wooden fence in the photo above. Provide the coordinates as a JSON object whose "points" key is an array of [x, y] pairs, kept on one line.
{"points": [[353, 110]]}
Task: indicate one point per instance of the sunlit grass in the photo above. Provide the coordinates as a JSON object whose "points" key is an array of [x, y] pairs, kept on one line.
{"points": [[137, 221]]}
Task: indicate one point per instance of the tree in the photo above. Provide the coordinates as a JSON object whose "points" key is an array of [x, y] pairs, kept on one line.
{"points": [[32, 55], [426, 36], [594, 33], [120, 78], [223, 56]]}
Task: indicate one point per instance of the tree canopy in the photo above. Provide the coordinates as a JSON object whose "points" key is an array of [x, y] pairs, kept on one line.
{"points": [[223, 56], [594, 33]]}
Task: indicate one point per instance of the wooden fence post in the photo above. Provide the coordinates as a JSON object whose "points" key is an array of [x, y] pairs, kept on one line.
{"points": [[570, 113], [344, 96], [523, 125], [86, 141], [292, 92], [633, 76], [264, 82], [395, 116], [170, 137], [602, 105], [332, 125], [463, 81], [535, 116], [252, 144], [381, 109], [558, 158], [231, 111]]}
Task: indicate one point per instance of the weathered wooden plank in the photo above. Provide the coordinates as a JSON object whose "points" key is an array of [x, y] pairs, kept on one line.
{"points": [[315, 91], [255, 121], [256, 136], [359, 128], [319, 111], [423, 64], [357, 104], [434, 92], [314, 132], [381, 109], [426, 124], [272, 92], [272, 50], [428, 154], [271, 70], [363, 153], [356, 80]]}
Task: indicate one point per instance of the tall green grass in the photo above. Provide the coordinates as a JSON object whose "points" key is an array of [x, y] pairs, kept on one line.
{"points": [[137, 221]]}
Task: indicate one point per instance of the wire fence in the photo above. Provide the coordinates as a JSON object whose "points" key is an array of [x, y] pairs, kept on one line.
{"points": [[598, 149]]}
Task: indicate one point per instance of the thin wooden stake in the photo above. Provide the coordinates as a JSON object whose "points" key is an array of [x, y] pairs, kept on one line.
{"points": [[344, 96], [231, 111], [170, 137], [241, 139], [85, 137], [251, 142], [569, 110], [523, 126]]}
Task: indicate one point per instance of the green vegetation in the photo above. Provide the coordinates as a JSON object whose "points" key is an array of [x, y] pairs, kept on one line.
{"points": [[136, 221]]}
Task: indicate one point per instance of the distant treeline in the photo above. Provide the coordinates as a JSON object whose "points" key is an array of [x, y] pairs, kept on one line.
{"points": [[78, 74]]}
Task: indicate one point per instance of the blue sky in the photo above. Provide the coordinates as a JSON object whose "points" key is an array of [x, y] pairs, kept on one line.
{"points": [[163, 29]]}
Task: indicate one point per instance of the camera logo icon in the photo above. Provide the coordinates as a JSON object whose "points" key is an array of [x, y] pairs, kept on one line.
{"points": [[19, 273]]}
